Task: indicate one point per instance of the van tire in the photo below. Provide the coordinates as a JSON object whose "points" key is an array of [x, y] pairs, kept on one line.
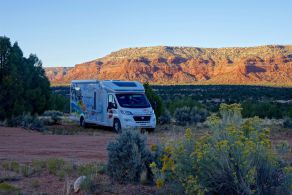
{"points": [[117, 126], [150, 129], [83, 123]]}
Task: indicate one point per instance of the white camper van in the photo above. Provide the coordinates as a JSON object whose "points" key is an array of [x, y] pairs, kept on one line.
{"points": [[116, 104]]}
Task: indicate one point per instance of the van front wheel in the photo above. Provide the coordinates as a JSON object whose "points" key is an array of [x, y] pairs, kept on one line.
{"points": [[83, 123], [117, 126], [150, 129]]}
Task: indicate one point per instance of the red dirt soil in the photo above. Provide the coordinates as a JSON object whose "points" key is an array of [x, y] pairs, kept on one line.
{"points": [[25, 145]]}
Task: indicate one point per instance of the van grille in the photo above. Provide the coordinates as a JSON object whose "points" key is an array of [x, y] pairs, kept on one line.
{"points": [[141, 118]]}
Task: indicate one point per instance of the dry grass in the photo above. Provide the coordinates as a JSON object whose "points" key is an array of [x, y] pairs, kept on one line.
{"points": [[44, 180]]}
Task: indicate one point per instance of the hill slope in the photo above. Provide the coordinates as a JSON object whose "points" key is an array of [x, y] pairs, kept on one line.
{"points": [[187, 65]]}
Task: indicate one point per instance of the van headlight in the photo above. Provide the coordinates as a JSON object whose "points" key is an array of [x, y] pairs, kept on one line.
{"points": [[126, 112]]}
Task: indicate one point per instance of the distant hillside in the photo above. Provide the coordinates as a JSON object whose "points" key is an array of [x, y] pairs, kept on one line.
{"points": [[261, 65]]}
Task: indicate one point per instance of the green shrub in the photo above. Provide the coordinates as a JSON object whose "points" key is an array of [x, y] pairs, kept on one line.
{"points": [[186, 115], [54, 165], [60, 168], [61, 174], [59, 102], [180, 102], [289, 111], [287, 123], [165, 118], [26, 121], [11, 166], [282, 148], [54, 115], [198, 114], [69, 168], [38, 165], [87, 169], [154, 100], [265, 109], [57, 167], [128, 156], [14, 166], [6, 188], [5, 165], [14, 121], [88, 186], [101, 169], [182, 115], [237, 158], [26, 170], [31, 122]]}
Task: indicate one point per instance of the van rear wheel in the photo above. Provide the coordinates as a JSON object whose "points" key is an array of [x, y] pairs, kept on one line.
{"points": [[117, 126]]}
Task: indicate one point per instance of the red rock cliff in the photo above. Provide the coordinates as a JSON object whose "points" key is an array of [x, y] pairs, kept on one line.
{"points": [[187, 65]]}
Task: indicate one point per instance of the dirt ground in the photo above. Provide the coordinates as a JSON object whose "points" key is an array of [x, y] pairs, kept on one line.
{"points": [[88, 146], [25, 145], [81, 146], [85, 146]]}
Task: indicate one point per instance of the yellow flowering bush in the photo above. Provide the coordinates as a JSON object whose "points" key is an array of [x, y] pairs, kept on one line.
{"points": [[175, 163], [237, 158], [153, 147]]}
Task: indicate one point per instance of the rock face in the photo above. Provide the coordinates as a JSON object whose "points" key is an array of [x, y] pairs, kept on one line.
{"points": [[56, 73], [186, 65]]}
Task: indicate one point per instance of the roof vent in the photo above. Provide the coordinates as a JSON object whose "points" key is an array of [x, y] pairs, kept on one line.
{"points": [[125, 84]]}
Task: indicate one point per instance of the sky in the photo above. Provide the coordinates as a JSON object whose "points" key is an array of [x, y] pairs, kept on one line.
{"points": [[68, 32]]}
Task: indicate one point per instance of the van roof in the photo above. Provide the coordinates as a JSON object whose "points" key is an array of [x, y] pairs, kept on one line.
{"points": [[116, 86], [123, 86], [85, 81]]}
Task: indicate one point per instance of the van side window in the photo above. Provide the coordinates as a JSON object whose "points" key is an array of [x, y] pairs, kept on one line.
{"points": [[111, 101]]}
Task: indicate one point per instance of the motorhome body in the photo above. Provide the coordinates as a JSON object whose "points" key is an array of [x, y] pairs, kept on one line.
{"points": [[117, 104]]}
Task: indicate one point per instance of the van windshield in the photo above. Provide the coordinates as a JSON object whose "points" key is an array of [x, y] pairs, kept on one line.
{"points": [[129, 100]]}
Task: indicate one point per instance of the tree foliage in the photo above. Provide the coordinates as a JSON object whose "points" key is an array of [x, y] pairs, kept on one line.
{"points": [[154, 99], [59, 102], [23, 84], [265, 102]]}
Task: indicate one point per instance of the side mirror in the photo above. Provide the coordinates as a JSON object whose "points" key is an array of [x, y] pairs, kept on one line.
{"points": [[111, 106]]}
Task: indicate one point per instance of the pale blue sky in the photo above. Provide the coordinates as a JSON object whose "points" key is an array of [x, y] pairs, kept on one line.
{"points": [[67, 32]]}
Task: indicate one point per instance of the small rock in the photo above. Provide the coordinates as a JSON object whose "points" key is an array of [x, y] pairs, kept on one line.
{"points": [[78, 182]]}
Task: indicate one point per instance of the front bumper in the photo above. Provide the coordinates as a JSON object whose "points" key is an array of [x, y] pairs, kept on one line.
{"points": [[129, 122]]}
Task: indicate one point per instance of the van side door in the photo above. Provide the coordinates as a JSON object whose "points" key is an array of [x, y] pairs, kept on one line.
{"points": [[111, 108]]}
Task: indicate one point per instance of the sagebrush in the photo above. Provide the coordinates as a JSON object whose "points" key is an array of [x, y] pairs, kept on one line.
{"points": [[186, 115], [26, 121], [128, 156]]}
